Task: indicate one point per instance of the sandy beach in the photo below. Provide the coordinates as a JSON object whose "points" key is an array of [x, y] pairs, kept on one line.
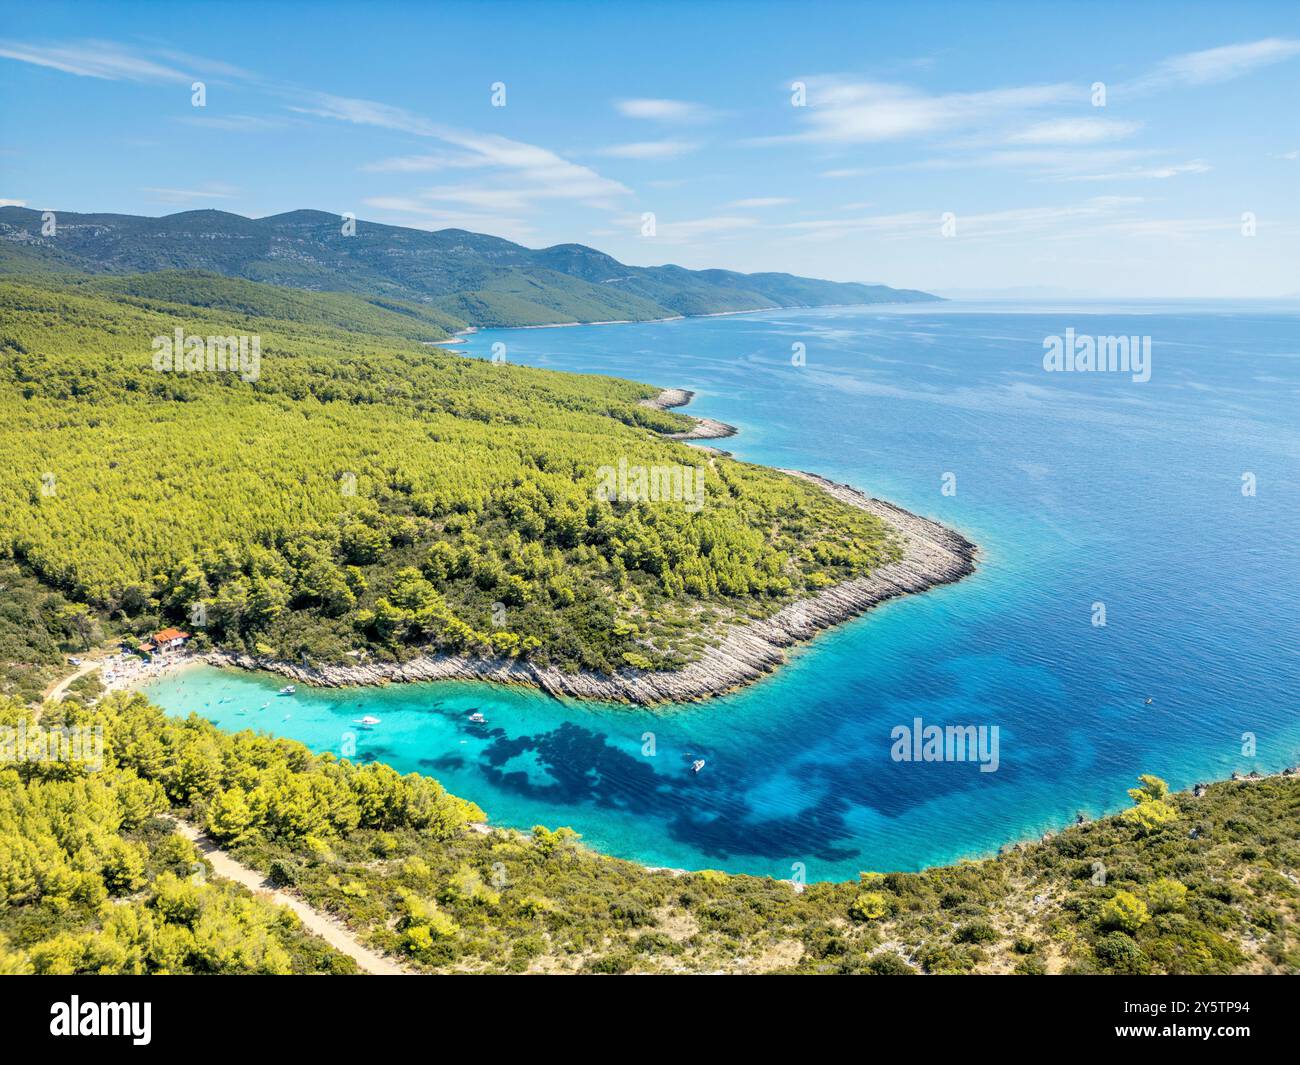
{"points": [[123, 672]]}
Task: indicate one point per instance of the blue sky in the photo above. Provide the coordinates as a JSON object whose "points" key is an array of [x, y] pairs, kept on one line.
{"points": [[984, 113]]}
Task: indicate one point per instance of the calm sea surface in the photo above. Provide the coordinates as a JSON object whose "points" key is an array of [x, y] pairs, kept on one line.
{"points": [[1081, 489]]}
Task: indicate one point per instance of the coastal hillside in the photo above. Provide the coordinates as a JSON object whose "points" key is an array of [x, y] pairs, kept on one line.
{"points": [[351, 494], [470, 278], [1193, 883], [375, 315]]}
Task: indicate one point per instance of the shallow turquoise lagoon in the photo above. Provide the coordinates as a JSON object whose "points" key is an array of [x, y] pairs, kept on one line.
{"points": [[1079, 488]]}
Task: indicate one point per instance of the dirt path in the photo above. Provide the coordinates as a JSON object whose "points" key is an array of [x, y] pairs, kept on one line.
{"points": [[330, 930], [55, 691]]}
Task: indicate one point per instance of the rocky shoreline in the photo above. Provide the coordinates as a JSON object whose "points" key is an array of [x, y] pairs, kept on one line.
{"points": [[703, 429], [933, 555]]}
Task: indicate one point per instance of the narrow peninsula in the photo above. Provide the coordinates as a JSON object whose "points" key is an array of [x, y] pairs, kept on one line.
{"points": [[931, 555]]}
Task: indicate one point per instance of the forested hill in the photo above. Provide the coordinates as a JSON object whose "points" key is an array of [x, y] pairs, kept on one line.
{"points": [[471, 278], [362, 491]]}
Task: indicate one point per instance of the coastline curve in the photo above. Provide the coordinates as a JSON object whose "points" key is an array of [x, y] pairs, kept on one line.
{"points": [[933, 555]]}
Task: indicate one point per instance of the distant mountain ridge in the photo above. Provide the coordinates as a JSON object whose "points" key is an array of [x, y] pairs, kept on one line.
{"points": [[465, 277]]}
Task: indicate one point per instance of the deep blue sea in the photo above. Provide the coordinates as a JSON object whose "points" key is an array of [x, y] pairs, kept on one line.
{"points": [[1080, 489]]}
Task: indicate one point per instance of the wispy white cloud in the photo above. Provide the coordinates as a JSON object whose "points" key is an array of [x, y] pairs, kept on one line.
{"points": [[845, 112], [180, 196], [216, 68], [761, 201], [686, 231], [1214, 65], [663, 149], [1098, 217], [234, 123], [111, 61], [1150, 173], [1049, 222], [661, 110], [416, 164], [526, 172], [93, 59], [419, 214], [480, 197], [1068, 163], [518, 173], [13, 203], [842, 113], [1075, 131], [367, 113], [1043, 162], [1171, 228], [1065, 159], [834, 228]]}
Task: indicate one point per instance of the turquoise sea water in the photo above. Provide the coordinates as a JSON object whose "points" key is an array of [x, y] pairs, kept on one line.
{"points": [[1079, 488]]}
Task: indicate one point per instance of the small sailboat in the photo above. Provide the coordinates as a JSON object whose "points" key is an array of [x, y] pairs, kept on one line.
{"points": [[697, 765], [478, 718], [288, 689], [368, 721]]}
